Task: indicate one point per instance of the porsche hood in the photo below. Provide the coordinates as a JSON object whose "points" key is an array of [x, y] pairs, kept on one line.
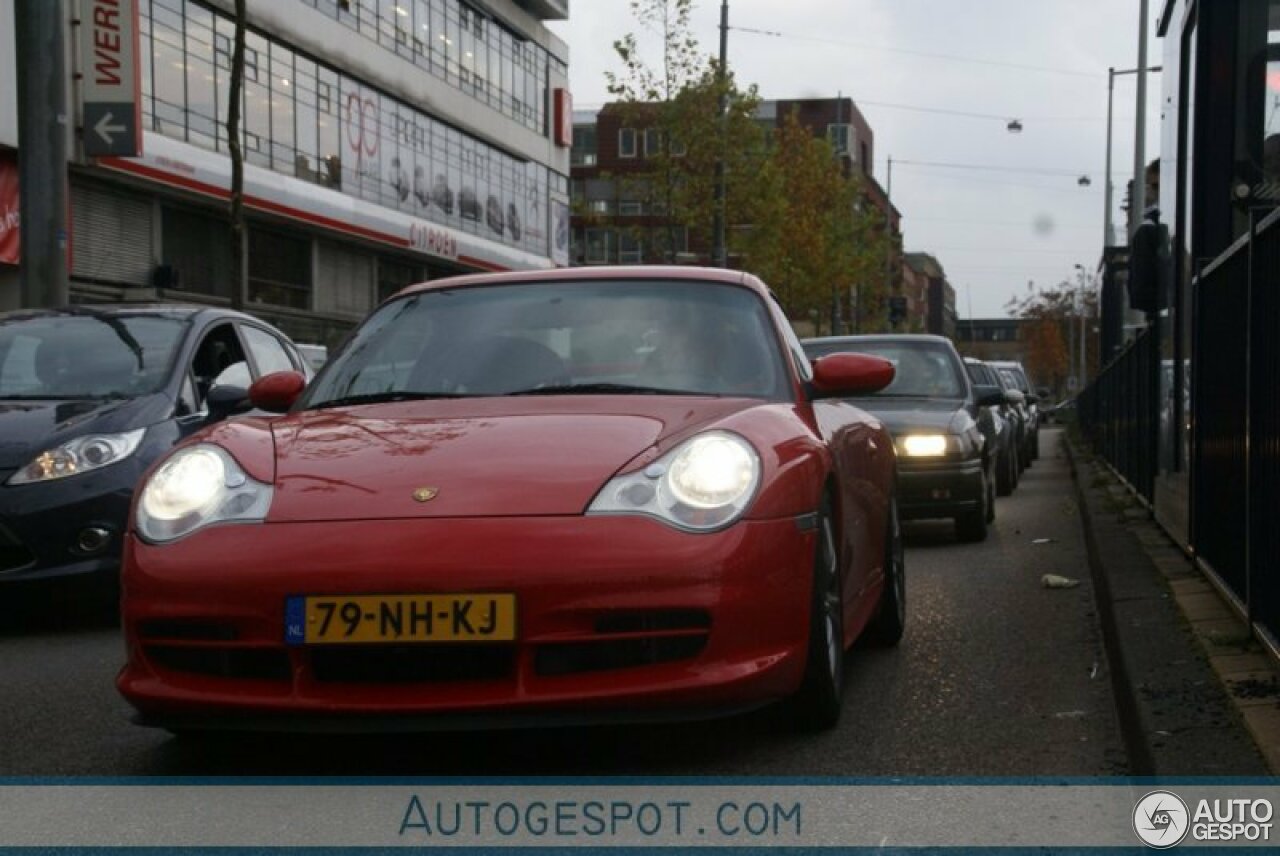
{"points": [[527, 459]]}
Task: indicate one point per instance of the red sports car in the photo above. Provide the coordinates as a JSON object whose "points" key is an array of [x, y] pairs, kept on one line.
{"points": [[562, 496]]}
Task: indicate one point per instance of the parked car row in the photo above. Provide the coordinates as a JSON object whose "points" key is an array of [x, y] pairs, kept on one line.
{"points": [[963, 430]]}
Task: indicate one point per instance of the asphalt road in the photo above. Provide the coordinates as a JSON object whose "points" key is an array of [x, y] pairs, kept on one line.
{"points": [[997, 675]]}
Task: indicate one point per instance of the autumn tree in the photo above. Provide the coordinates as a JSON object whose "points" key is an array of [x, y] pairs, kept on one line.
{"points": [[1053, 320], [677, 101]]}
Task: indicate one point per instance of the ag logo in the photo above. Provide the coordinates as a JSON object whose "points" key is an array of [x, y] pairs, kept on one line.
{"points": [[1161, 820]]}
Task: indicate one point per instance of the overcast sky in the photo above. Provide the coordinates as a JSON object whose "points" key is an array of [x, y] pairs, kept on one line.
{"points": [[1041, 61]]}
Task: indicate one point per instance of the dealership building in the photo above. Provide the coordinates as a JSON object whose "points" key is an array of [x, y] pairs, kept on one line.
{"points": [[385, 142]]}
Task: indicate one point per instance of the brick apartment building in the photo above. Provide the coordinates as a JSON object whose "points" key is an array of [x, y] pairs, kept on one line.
{"points": [[931, 299], [610, 228]]}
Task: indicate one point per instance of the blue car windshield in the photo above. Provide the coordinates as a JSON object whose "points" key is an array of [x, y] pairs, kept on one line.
{"points": [[86, 355]]}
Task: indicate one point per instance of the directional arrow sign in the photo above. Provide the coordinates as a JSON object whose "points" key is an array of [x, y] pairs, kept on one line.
{"points": [[108, 64], [110, 129], [105, 129]]}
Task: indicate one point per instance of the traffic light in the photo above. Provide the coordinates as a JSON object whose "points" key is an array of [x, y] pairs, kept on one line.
{"points": [[897, 311]]}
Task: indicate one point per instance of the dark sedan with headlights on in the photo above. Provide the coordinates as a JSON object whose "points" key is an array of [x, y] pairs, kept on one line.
{"points": [[89, 398], [946, 467]]}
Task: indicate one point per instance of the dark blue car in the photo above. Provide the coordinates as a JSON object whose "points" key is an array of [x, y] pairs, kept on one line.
{"points": [[90, 396]]}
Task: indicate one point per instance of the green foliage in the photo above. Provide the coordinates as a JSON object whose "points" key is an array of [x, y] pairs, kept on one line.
{"points": [[794, 217]]}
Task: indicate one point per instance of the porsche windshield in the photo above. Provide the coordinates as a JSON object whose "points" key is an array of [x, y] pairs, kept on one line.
{"points": [[86, 355], [575, 338]]}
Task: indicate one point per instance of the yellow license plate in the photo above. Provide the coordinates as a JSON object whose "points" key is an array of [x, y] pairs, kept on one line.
{"points": [[355, 619]]}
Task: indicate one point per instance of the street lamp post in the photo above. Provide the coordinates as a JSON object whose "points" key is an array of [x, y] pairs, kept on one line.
{"points": [[1108, 229], [720, 252]]}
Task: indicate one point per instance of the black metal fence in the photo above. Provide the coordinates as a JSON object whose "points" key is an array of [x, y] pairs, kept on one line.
{"points": [[1117, 414], [1235, 421]]}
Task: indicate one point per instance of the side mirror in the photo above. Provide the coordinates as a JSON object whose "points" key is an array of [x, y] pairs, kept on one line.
{"points": [[276, 392], [226, 400], [1043, 392], [839, 375], [987, 395], [1031, 398]]}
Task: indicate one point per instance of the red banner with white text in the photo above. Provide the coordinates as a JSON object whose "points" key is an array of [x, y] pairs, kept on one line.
{"points": [[8, 208]]}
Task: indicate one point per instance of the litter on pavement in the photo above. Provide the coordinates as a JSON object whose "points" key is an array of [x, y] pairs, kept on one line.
{"points": [[1053, 581]]}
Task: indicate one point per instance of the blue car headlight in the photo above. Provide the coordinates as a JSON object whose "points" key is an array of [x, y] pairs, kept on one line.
{"points": [[81, 455]]}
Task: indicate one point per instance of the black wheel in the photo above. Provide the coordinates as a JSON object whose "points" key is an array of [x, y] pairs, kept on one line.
{"points": [[1006, 477], [817, 704], [1015, 465], [891, 616], [1035, 445], [971, 526], [991, 494]]}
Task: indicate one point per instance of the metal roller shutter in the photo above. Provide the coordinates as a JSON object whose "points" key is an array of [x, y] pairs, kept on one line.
{"points": [[111, 235], [344, 280]]}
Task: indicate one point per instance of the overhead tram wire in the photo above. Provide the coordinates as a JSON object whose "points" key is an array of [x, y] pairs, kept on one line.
{"points": [[924, 54]]}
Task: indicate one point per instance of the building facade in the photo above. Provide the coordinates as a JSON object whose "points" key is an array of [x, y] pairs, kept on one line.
{"points": [[610, 151], [385, 141], [939, 295], [992, 339]]}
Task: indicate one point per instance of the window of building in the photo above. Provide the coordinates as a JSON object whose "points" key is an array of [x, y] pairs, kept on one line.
{"points": [[630, 248], [599, 246], [839, 137], [583, 152], [298, 120], [198, 248], [630, 208], [394, 275], [627, 143], [652, 142], [279, 268]]}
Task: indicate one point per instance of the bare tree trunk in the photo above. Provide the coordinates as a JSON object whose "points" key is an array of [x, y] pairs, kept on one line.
{"points": [[235, 144]]}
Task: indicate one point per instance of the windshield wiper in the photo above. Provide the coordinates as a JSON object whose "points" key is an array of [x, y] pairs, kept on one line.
{"points": [[383, 397], [605, 389]]}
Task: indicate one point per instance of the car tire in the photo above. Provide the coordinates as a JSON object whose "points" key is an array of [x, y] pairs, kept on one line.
{"points": [[1006, 479], [1035, 445], [971, 527], [991, 494], [885, 629], [817, 704]]}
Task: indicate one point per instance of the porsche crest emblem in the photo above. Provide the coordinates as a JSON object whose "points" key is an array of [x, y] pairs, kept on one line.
{"points": [[425, 494]]}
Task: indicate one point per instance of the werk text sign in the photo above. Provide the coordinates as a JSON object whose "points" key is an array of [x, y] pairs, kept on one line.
{"points": [[109, 76]]}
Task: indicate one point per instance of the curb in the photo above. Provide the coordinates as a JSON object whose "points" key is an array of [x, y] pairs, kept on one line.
{"points": [[1176, 717]]}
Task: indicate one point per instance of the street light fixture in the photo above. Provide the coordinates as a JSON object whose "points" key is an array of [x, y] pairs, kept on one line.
{"points": [[1108, 237], [1015, 126]]}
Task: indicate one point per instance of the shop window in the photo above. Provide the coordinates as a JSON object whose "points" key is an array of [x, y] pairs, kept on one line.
{"points": [[279, 269], [599, 246], [198, 248], [394, 275]]}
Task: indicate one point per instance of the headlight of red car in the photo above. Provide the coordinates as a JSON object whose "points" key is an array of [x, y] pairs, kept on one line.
{"points": [[704, 484], [198, 486]]}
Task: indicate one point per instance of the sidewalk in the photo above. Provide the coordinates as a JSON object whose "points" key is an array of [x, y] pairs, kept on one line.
{"points": [[1196, 695]]}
